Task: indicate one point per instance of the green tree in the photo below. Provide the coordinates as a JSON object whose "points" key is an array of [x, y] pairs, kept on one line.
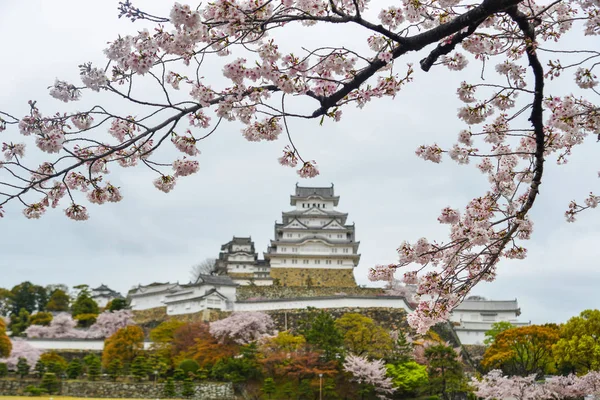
{"points": [[114, 369], [240, 368], [362, 336], [402, 350], [408, 377], [22, 367], [125, 344], [188, 388], [117, 304], [268, 387], [329, 389], [5, 301], [93, 366], [41, 318], [579, 345], [19, 322], [189, 366], [54, 362], [40, 368], [320, 330], [50, 383], [74, 369], [139, 368], [86, 320], [3, 370], [497, 327], [169, 389], [84, 304], [446, 377], [287, 390], [28, 296], [305, 390], [59, 301], [178, 374]]}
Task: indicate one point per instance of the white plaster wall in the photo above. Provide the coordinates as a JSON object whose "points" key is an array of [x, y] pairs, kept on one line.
{"points": [[101, 301], [309, 203], [476, 316], [470, 337], [340, 302], [66, 344], [146, 302]]}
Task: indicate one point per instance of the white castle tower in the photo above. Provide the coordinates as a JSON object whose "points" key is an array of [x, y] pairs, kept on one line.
{"points": [[313, 246]]}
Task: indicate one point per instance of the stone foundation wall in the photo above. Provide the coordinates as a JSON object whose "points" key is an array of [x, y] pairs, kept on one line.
{"points": [[284, 292], [204, 391], [339, 278], [241, 275]]}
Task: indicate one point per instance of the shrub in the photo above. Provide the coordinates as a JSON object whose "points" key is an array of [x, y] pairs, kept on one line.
{"points": [[188, 388], [188, 366], [169, 390], [50, 383], [35, 391]]}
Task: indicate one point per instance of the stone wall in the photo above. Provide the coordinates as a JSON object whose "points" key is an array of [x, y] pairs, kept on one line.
{"points": [[339, 278], [204, 391], [284, 292]]}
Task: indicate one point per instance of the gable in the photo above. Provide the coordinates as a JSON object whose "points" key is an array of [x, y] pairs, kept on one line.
{"points": [[334, 225]]}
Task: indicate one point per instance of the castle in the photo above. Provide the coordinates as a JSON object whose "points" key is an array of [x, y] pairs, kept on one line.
{"points": [[312, 246], [311, 259]]}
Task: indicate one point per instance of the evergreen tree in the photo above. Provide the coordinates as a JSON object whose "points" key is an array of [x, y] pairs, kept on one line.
{"points": [[40, 368], [22, 367], [139, 368], [287, 390], [59, 301], [55, 368], [268, 387], [114, 369], [178, 374], [84, 304], [19, 322], [3, 370], [305, 390], [50, 383], [329, 389], [320, 330], [188, 389], [117, 304], [446, 377], [169, 390], [75, 369], [403, 349], [93, 366]]}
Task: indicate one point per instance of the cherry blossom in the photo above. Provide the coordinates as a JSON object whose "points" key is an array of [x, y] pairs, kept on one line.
{"points": [[165, 183], [370, 373]]}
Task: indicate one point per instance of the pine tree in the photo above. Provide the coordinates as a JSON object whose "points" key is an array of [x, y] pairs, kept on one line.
{"points": [[22, 367], [94, 367], [3, 370], [40, 368], [50, 383], [139, 368], [178, 374], [305, 390], [114, 369], [188, 389], [74, 369], [268, 387], [169, 390]]}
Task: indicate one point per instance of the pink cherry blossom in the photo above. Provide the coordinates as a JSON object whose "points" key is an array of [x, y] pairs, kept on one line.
{"points": [[77, 213], [308, 170], [165, 183], [185, 167]]}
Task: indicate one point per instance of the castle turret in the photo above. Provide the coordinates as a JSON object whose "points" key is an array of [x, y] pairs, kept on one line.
{"points": [[313, 245], [239, 260]]}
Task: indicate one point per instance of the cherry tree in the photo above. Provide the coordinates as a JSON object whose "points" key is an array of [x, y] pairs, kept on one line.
{"points": [[20, 348], [515, 117], [63, 326], [369, 373], [243, 328]]}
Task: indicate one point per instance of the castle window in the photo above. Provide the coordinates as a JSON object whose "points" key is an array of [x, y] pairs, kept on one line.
{"points": [[345, 250], [334, 250], [323, 205], [289, 235], [327, 261], [317, 261], [339, 262], [314, 205], [294, 261], [304, 261], [294, 249]]}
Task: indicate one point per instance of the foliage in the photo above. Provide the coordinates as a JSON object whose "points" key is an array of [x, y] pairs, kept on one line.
{"points": [[206, 349], [362, 336], [5, 302], [29, 297], [179, 375], [41, 318], [402, 348], [139, 368], [50, 383], [184, 338], [189, 366], [497, 327], [169, 388], [240, 368], [320, 330], [268, 387], [40, 368], [162, 337], [110, 322], [63, 326], [74, 369], [19, 322], [301, 363], [187, 389], [124, 345], [522, 351], [3, 370], [408, 377], [242, 328], [579, 343], [5, 343], [35, 391], [59, 301], [22, 367], [54, 362], [305, 390], [114, 369], [370, 375], [117, 305], [93, 366], [446, 377], [84, 304], [85, 320], [21, 349]]}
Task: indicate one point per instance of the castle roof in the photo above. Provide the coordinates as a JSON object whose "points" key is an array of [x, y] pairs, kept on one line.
{"points": [[243, 241], [303, 192], [217, 280], [488, 305]]}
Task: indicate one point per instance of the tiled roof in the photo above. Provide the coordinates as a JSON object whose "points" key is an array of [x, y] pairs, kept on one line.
{"points": [[488, 305], [217, 280], [302, 191]]}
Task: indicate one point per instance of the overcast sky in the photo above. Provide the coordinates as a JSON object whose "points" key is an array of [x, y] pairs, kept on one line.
{"points": [[241, 189]]}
